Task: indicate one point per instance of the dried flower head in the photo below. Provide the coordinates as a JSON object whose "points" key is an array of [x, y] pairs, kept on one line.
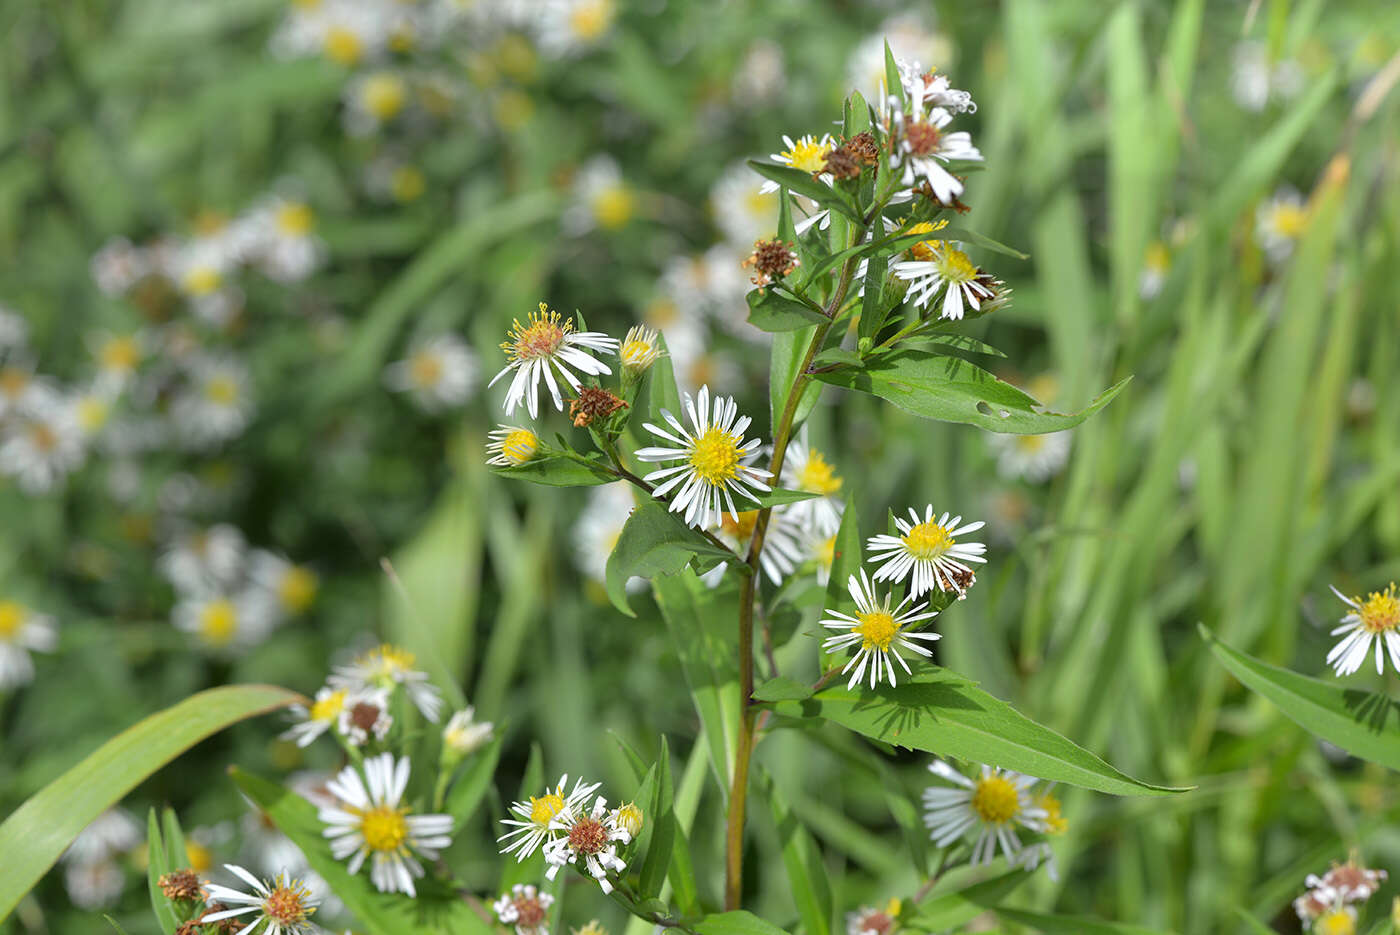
{"points": [[864, 147], [771, 260], [181, 885], [594, 403], [843, 163]]}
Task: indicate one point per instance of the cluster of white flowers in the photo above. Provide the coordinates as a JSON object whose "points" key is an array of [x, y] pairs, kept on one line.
{"points": [[230, 597], [1329, 906], [571, 832], [991, 808]]}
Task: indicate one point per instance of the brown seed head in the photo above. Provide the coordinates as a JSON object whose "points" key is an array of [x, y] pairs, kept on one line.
{"points": [[923, 138], [588, 836], [531, 914], [875, 921], [364, 716], [181, 885], [594, 403], [842, 163], [771, 259], [961, 579], [864, 148]]}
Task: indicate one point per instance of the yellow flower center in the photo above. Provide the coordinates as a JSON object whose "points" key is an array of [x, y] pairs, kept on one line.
{"points": [[743, 528], [520, 446], [954, 266], [996, 800], [327, 708], [807, 154], [826, 553], [661, 313], [287, 903], [546, 807], [12, 617], [343, 46], [759, 203], [1157, 259], [294, 219], [221, 390], [1030, 444], [928, 541], [200, 857], [613, 207], [817, 476], [407, 184], [92, 413], [590, 20], [297, 589], [1334, 922], [13, 381], [635, 352], [202, 280], [43, 438], [629, 818], [715, 456], [382, 95], [540, 337], [425, 369], [218, 622], [119, 355], [926, 249], [1381, 611], [1055, 822], [877, 630], [384, 828], [1290, 220]]}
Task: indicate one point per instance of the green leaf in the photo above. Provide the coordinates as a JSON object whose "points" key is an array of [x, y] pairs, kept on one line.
{"points": [[807, 880], [779, 497], [938, 712], [561, 471], [950, 389], [737, 922], [471, 786], [979, 240], [872, 309], [893, 85], [662, 392], [114, 924], [856, 115], [773, 312], [661, 817], [1365, 724], [654, 541], [437, 907], [1073, 925], [782, 688], [177, 855], [803, 184], [1255, 926], [788, 351], [949, 910], [845, 560], [157, 866], [41, 829]]}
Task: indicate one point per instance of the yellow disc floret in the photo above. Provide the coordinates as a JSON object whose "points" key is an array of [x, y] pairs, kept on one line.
{"points": [[924, 249], [715, 456], [297, 589], [1380, 612], [807, 154], [543, 809], [343, 46], [1055, 822], [613, 207], [327, 708], [541, 336], [12, 616], [119, 355], [202, 280], [996, 800], [218, 622], [425, 369], [818, 476], [520, 446], [1289, 220], [954, 266], [221, 390], [591, 19], [928, 541], [1334, 922], [287, 903], [877, 630], [294, 219], [384, 828], [383, 95]]}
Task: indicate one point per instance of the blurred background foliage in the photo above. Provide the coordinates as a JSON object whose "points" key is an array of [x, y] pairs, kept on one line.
{"points": [[1132, 149]]}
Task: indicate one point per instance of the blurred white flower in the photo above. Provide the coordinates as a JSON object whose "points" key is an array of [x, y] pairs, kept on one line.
{"points": [[364, 714], [600, 198], [216, 404], [526, 908], [111, 834], [546, 345], [41, 443], [806, 469], [1255, 79], [742, 209], [566, 28], [22, 631], [386, 667], [926, 551], [1036, 458], [462, 735], [1280, 222], [223, 624], [207, 559], [438, 373]]}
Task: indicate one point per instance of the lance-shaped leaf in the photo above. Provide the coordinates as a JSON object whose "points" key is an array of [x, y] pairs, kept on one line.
{"points": [[41, 829], [780, 497], [951, 389], [939, 712], [560, 470], [772, 311], [737, 922], [802, 183], [806, 873], [654, 541], [949, 910], [1365, 724]]}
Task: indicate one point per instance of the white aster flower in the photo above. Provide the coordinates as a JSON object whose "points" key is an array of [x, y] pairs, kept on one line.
{"points": [[948, 270], [289, 587], [1255, 78], [565, 28], [205, 559], [225, 624], [588, 840], [783, 546], [314, 721], [807, 470], [22, 631], [1375, 620], [927, 550], [463, 735], [544, 345], [1036, 458], [711, 285], [743, 209], [41, 444], [805, 154], [878, 631], [533, 824], [1349, 882], [1279, 223], [639, 349], [909, 39], [992, 806], [821, 549], [217, 403], [601, 197], [526, 908], [373, 100], [372, 823], [20, 388], [934, 89], [438, 373], [511, 445], [283, 903], [364, 714], [923, 147], [284, 245], [117, 266], [387, 666], [716, 461]]}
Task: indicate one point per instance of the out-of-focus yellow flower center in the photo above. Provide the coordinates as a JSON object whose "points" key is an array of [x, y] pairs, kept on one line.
{"points": [[515, 56], [200, 857], [954, 266], [1380, 612], [42, 437], [297, 589], [92, 413], [386, 661], [540, 337], [613, 207], [513, 109], [119, 355], [343, 46], [1289, 220], [545, 807], [928, 541], [407, 183], [877, 630], [715, 456], [826, 553], [202, 280], [661, 312], [403, 39], [383, 95], [426, 369], [1055, 822], [759, 204], [743, 527], [807, 154], [384, 828], [12, 616], [1158, 258], [221, 390], [996, 800], [591, 19], [1030, 444], [1334, 922], [218, 622], [294, 219], [13, 381], [817, 476], [520, 446], [925, 249], [327, 708]]}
